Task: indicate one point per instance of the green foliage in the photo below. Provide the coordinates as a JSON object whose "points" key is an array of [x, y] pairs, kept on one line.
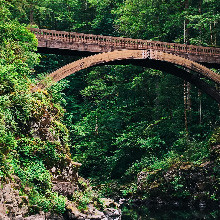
{"points": [[167, 161], [28, 119], [164, 21], [35, 149], [50, 201], [215, 138], [34, 174], [120, 120], [85, 195]]}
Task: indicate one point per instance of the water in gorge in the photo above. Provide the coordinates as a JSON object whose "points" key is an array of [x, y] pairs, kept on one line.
{"points": [[142, 212]]}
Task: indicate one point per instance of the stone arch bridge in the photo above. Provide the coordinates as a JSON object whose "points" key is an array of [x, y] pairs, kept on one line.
{"points": [[188, 62]]}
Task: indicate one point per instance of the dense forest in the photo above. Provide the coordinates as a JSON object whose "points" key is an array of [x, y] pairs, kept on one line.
{"points": [[129, 126]]}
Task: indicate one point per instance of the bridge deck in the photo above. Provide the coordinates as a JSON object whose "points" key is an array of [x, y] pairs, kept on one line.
{"points": [[97, 43]]}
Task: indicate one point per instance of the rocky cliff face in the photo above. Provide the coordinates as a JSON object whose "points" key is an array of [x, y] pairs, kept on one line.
{"points": [[66, 182], [12, 205], [197, 184]]}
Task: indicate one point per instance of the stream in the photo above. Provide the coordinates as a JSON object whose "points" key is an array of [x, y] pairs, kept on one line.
{"points": [[142, 212]]}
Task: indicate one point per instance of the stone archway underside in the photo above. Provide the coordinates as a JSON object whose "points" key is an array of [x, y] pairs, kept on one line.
{"points": [[142, 55]]}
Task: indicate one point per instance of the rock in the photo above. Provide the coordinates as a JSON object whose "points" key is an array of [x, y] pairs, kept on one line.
{"points": [[91, 213], [12, 203], [109, 203], [185, 166], [183, 180], [110, 212], [72, 212], [19, 218], [36, 217], [15, 207], [67, 172], [54, 216], [3, 215], [64, 188]]}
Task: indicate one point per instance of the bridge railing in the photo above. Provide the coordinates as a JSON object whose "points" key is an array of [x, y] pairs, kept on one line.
{"points": [[123, 43]]}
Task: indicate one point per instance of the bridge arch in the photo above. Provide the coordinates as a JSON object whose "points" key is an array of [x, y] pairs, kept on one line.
{"points": [[150, 58]]}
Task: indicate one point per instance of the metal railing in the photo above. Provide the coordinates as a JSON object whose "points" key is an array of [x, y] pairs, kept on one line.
{"points": [[123, 43]]}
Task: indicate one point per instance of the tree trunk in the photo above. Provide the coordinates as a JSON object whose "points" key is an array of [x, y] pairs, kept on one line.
{"points": [[200, 106], [96, 126], [211, 35], [189, 103], [185, 106], [200, 29], [186, 22], [31, 15], [186, 85], [215, 40]]}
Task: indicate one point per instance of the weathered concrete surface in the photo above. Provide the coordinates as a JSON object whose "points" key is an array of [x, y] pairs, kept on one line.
{"points": [[131, 54], [150, 58], [113, 49], [97, 43]]}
